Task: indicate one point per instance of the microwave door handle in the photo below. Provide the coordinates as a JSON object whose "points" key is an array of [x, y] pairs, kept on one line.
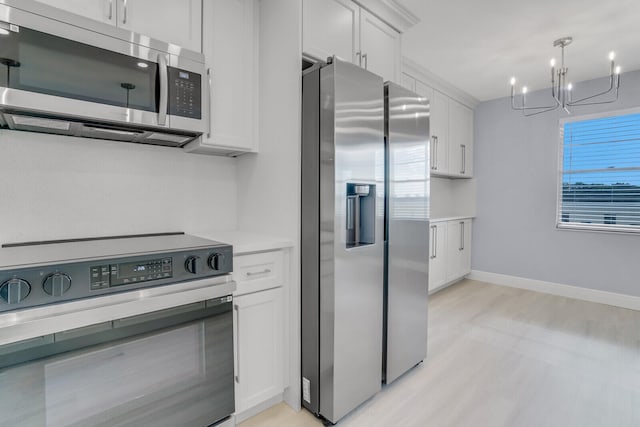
{"points": [[164, 90]]}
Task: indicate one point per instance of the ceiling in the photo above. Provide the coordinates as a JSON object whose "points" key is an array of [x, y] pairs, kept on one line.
{"points": [[478, 46]]}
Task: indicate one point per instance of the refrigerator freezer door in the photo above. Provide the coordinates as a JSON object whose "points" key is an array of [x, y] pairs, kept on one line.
{"points": [[351, 279], [407, 221], [342, 248]]}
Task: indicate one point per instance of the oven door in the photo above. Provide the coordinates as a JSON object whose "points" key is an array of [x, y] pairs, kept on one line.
{"points": [[168, 368], [59, 70]]}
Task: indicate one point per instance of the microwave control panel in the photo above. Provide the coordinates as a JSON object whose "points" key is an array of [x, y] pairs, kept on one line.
{"points": [[185, 93]]}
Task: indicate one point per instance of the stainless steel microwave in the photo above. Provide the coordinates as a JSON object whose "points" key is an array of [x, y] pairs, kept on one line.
{"points": [[64, 74]]}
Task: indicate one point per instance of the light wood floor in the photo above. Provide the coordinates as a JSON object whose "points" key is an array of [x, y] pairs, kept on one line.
{"points": [[508, 357]]}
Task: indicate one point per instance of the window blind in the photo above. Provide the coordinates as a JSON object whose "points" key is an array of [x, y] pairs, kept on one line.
{"points": [[600, 176]]}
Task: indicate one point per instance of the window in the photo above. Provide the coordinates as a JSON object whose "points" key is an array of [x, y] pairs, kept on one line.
{"points": [[600, 174]]}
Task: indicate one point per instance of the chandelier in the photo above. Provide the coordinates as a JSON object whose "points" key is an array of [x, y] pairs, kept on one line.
{"points": [[562, 91]]}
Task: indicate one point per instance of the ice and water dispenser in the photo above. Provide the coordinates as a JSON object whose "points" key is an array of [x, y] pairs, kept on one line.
{"points": [[361, 214]]}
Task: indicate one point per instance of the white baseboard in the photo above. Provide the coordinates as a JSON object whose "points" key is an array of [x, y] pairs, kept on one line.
{"points": [[610, 298]]}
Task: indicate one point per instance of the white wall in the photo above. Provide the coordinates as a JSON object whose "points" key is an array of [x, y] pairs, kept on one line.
{"points": [[516, 168], [54, 187], [269, 182]]}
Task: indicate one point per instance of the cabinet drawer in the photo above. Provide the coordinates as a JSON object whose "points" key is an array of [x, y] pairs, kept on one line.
{"points": [[258, 271]]}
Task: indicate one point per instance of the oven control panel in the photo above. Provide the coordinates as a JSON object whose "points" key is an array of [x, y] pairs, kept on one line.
{"points": [[30, 287]]}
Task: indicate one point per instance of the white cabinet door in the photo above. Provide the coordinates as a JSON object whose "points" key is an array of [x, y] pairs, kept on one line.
{"points": [[439, 133], [331, 27], [437, 255], [173, 21], [259, 347], [408, 82], [460, 140], [100, 10], [230, 48], [458, 249], [380, 47], [424, 90]]}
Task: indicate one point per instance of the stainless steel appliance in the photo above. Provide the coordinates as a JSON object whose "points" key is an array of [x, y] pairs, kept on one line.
{"points": [[407, 230], [364, 285], [33, 274], [342, 237], [64, 74], [163, 368]]}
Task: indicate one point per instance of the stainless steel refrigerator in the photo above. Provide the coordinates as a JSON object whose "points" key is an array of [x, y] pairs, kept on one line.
{"points": [[343, 261]]}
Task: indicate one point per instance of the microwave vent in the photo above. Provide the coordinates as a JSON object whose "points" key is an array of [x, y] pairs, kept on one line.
{"points": [[37, 122]]}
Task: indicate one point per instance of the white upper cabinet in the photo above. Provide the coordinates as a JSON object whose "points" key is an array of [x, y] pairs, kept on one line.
{"points": [[344, 29], [331, 27], [439, 133], [100, 10], [460, 140], [234, 75], [408, 82], [230, 48], [424, 90], [380, 47], [173, 21]]}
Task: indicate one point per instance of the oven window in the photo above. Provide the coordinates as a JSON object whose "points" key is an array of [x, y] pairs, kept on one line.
{"points": [[43, 63], [179, 375]]}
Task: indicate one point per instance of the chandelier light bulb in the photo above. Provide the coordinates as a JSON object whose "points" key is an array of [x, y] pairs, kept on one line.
{"points": [[618, 69], [569, 86], [513, 80], [524, 90], [552, 62], [612, 56]]}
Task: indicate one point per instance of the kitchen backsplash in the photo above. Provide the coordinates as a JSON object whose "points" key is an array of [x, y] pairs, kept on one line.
{"points": [[60, 187]]}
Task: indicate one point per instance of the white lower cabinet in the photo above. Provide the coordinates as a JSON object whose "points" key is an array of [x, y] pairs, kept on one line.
{"points": [[259, 347], [259, 328], [450, 251]]}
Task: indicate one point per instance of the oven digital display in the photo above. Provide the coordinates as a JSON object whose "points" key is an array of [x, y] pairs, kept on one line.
{"points": [[105, 276]]}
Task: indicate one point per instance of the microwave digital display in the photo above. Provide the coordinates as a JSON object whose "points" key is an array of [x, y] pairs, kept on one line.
{"points": [[183, 75]]}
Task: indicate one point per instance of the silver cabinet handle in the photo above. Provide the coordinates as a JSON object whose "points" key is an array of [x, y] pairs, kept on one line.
{"points": [[210, 83], [257, 273], [164, 89], [461, 248], [366, 60], [463, 152], [110, 9], [434, 157], [236, 359], [359, 56], [434, 246], [124, 16]]}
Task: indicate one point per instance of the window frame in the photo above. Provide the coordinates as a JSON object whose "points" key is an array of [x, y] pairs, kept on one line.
{"points": [[596, 228]]}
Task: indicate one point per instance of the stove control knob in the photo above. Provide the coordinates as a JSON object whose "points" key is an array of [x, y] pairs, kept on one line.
{"points": [[216, 261], [15, 290], [56, 284], [193, 265]]}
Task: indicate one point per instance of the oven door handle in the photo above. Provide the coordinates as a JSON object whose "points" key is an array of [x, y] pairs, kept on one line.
{"points": [[164, 89]]}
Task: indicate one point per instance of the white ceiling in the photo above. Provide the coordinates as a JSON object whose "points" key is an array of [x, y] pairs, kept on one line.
{"points": [[477, 45]]}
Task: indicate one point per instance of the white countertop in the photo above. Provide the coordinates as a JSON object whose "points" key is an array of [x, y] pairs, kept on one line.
{"points": [[451, 218], [246, 242]]}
